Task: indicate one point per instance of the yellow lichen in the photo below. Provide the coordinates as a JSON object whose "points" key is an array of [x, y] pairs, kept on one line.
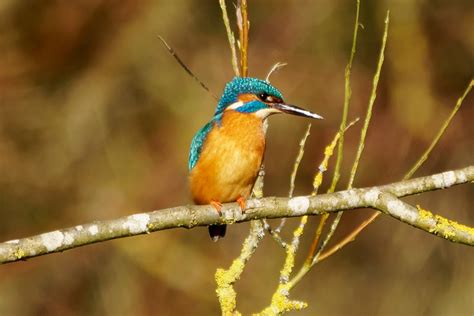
{"points": [[225, 292], [19, 253], [299, 231], [291, 251], [289, 263], [444, 227], [281, 304], [423, 213], [226, 278], [455, 225], [328, 152], [318, 179]]}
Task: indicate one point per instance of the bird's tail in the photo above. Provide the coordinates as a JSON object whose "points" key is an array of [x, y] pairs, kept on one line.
{"points": [[217, 231]]}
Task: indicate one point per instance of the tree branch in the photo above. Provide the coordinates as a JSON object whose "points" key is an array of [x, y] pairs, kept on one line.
{"points": [[384, 198]]}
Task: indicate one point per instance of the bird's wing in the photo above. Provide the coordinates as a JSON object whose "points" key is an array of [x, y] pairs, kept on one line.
{"points": [[197, 143]]}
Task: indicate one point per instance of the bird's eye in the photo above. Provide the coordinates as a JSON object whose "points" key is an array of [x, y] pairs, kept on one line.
{"points": [[264, 97], [267, 98]]}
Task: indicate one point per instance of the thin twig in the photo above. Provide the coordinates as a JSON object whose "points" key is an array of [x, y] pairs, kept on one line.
{"points": [[275, 235], [178, 59], [296, 166], [373, 96], [315, 243], [298, 159], [443, 128], [230, 37], [274, 68], [347, 100], [349, 238]]}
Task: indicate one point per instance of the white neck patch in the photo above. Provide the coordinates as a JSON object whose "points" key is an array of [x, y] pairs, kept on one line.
{"points": [[264, 113], [234, 105]]}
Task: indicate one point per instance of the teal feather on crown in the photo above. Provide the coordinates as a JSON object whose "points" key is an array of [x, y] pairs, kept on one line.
{"points": [[240, 85]]}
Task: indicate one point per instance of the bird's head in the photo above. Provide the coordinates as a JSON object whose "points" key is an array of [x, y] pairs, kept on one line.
{"points": [[251, 95]]}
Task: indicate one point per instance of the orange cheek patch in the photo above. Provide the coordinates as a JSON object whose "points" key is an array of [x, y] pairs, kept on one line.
{"points": [[247, 97]]}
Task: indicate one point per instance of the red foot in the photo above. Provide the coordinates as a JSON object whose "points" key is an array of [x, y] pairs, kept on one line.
{"points": [[218, 206], [242, 203]]}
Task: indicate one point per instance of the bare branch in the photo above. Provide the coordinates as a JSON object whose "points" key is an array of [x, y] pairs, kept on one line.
{"points": [[384, 198]]}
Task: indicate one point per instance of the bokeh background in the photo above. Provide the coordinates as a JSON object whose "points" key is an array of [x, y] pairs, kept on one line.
{"points": [[96, 119]]}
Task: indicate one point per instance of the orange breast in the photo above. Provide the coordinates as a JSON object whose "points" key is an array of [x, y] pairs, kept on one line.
{"points": [[229, 160]]}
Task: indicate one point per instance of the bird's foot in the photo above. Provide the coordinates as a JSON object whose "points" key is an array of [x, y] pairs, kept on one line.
{"points": [[242, 203], [218, 206]]}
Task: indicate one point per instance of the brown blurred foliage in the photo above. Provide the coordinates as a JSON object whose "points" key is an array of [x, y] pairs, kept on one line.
{"points": [[96, 119]]}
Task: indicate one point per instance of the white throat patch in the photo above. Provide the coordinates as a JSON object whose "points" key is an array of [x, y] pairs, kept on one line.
{"points": [[264, 113], [234, 105]]}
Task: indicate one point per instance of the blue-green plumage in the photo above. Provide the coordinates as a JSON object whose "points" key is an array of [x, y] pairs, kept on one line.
{"points": [[232, 90], [252, 107], [198, 141], [240, 85]]}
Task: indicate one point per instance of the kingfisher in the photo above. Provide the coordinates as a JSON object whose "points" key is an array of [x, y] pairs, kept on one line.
{"points": [[226, 153]]}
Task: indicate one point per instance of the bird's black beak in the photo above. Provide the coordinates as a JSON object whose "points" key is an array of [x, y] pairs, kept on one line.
{"points": [[293, 109]]}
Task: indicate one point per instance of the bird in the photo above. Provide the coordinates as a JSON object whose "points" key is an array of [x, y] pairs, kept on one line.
{"points": [[226, 153]]}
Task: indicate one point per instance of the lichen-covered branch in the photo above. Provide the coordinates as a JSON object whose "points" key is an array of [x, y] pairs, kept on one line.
{"points": [[225, 279], [384, 198]]}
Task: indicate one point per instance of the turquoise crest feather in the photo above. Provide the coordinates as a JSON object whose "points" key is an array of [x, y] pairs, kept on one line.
{"points": [[240, 85]]}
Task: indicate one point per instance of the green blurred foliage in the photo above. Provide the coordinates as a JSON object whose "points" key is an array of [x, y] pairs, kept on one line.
{"points": [[96, 119]]}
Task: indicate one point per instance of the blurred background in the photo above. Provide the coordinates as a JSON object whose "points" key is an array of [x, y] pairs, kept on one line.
{"points": [[96, 119]]}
